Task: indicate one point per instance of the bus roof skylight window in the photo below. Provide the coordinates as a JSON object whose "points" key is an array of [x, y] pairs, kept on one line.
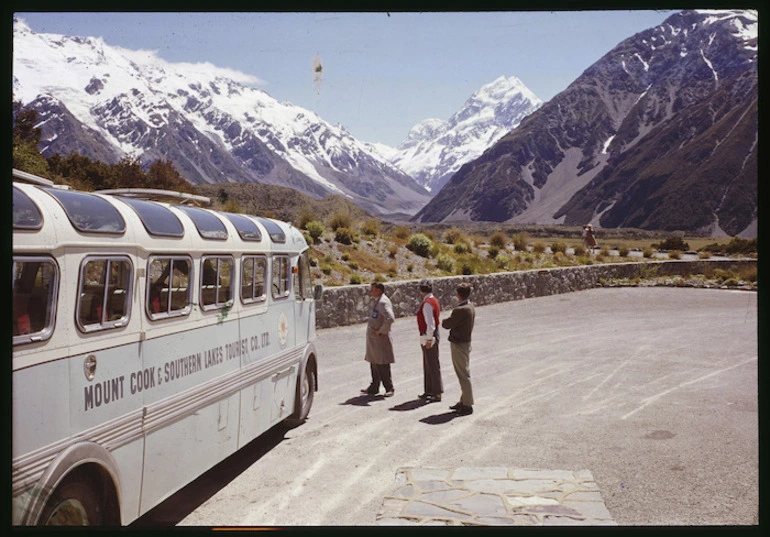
{"points": [[26, 215], [275, 231], [89, 213], [209, 226], [247, 229], [157, 219]]}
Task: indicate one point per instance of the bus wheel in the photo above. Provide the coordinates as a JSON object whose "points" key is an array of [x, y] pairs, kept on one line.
{"points": [[305, 393], [74, 503]]}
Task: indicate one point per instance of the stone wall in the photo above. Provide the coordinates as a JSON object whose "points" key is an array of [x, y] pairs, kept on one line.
{"points": [[351, 304]]}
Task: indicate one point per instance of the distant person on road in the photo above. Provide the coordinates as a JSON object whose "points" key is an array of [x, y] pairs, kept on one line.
{"points": [[427, 324], [460, 326], [589, 240], [379, 342]]}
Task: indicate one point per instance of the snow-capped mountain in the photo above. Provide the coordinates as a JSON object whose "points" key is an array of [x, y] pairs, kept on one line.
{"points": [[435, 149], [660, 133], [108, 102]]}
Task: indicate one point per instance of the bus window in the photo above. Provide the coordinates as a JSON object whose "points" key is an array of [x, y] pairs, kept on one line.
{"points": [[253, 272], [35, 285], [105, 293], [169, 297], [302, 283], [281, 276], [216, 281]]}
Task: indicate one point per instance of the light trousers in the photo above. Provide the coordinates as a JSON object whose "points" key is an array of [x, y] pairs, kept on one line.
{"points": [[461, 358]]}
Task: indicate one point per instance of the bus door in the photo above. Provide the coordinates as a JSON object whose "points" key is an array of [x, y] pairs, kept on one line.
{"points": [[304, 300]]}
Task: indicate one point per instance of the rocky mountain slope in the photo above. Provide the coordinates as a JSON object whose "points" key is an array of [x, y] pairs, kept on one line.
{"points": [[660, 133], [108, 102]]}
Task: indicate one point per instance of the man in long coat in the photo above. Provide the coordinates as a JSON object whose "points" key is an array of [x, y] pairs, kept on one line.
{"points": [[379, 342]]}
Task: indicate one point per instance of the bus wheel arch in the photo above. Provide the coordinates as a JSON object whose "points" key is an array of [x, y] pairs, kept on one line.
{"points": [[85, 497], [307, 385], [89, 465]]}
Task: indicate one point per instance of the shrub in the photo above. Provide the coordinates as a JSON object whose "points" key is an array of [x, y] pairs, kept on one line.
{"points": [[420, 244], [355, 278], [462, 248], [672, 243], [379, 278], [409, 267], [304, 218], [315, 229], [466, 269], [340, 220], [392, 271], [345, 256], [675, 254], [493, 251], [623, 251], [353, 265], [393, 250], [371, 228], [520, 241], [499, 240], [704, 255], [401, 232], [538, 247], [326, 269], [647, 252], [579, 251], [445, 263], [344, 235], [559, 247], [502, 261], [452, 235]]}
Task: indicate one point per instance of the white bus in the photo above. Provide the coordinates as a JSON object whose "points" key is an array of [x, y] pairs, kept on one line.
{"points": [[151, 340]]}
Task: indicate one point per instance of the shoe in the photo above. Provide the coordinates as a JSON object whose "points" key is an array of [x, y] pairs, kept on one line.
{"points": [[433, 398], [389, 393], [369, 391], [455, 406], [424, 396], [464, 410]]}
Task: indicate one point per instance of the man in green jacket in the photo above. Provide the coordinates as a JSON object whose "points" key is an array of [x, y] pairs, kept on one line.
{"points": [[460, 326]]}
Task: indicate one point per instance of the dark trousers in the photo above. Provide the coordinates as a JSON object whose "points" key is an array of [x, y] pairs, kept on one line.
{"points": [[431, 370], [380, 373]]}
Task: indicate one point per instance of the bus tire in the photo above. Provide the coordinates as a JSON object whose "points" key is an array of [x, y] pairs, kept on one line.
{"points": [[74, 503], [305, 393]]}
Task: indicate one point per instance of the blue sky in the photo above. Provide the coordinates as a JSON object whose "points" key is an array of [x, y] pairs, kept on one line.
{"points": [[382, 73]]}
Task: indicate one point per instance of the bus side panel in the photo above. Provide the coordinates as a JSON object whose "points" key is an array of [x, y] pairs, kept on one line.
{"points": [[191, 420], [260, 330], [181, 451], [109, 407], [39, 417]]}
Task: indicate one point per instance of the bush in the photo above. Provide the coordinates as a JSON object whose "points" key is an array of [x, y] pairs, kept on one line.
{"points": [[401, 232], [344, 235], [466, 269], [493, 251], [559, 247], [538, 247], [445, 263], [672, 243], [647, 252], [355, 279], [521, 241], [623, 251], [499, 240], [502, 261], [420, 245], [579, 251], [675, 254], [462, 248], [371, 228], [315, 229], [345, 257], [340, 220], [326, 269], [393, 250], [452, 235]]}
